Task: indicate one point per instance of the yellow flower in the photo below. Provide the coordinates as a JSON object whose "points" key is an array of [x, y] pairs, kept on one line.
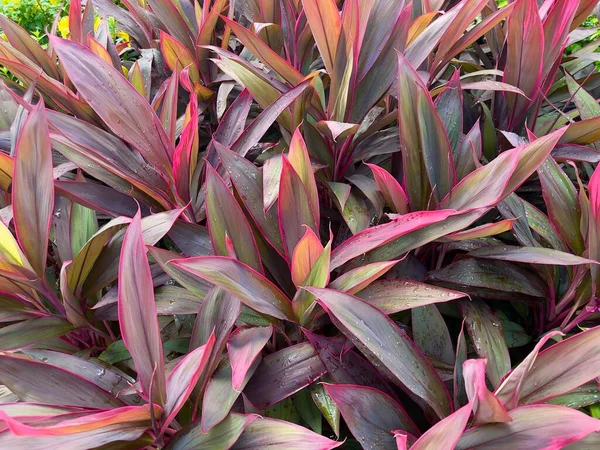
{"points": [[124, 36], [63, 26]]}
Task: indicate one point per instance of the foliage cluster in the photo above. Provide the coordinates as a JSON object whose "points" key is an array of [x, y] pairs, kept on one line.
{"points": [[36, 16], [301, 224]]}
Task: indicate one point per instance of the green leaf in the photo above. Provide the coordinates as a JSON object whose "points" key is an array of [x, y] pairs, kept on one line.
{"points": [[29, 332], [487, 337], [221, 437], [423, 141]]}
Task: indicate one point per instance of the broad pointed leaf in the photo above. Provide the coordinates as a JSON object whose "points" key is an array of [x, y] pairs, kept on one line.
{"points": [[531, 255], [221, 437], [323, 18], [38, 382], [532, 428], [183, 378], [243, 349], [119, 104], [371, 415], [284, 373], [358, 279], [254, 290], [487, 337], [561, 200], [248, 181], [32, 188], [219, 396], [538, 378], [348, 367], [445, 433], [27, 332], [487, 408], [395, 295], [394, 195], [265, 434], [377, 236], [294, 208], [524, 60], [387, 346], [225, 218], [424, 143], [137, 314]]}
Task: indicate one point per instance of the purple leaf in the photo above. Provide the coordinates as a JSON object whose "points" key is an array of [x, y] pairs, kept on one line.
{"points": [[375, 237], [294, 208], [371, 415], [524, 59], [38, 382], [387, 346], [219, 396], [284, 373], [225, 218], [487, 408], [446, 433], [32, 189], [531, 255], [117, 102], [347, 367], [249, 286], [137, 314], [395, 295], [539, 378]]}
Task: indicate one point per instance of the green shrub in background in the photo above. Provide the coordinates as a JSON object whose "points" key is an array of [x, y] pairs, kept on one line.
{"points": [[37, 16], [34, 15]]}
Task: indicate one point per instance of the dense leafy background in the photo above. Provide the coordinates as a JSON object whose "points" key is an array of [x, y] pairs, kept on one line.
{"points": [[300, 224]]}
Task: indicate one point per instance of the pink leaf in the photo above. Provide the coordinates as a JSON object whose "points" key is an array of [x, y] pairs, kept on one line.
{"points": [[226, 218], [524, 60], [306, 254], [487, 407], [394, 195], [377, 236], [445, 434], [183, 378], [347, 367], [539, 378], [300, 160], [243, 348], [370, 414], [547, 427], [284, 373]]}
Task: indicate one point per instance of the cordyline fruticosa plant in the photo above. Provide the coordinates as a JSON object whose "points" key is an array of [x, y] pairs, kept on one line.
{"points": [[301, 224]]}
